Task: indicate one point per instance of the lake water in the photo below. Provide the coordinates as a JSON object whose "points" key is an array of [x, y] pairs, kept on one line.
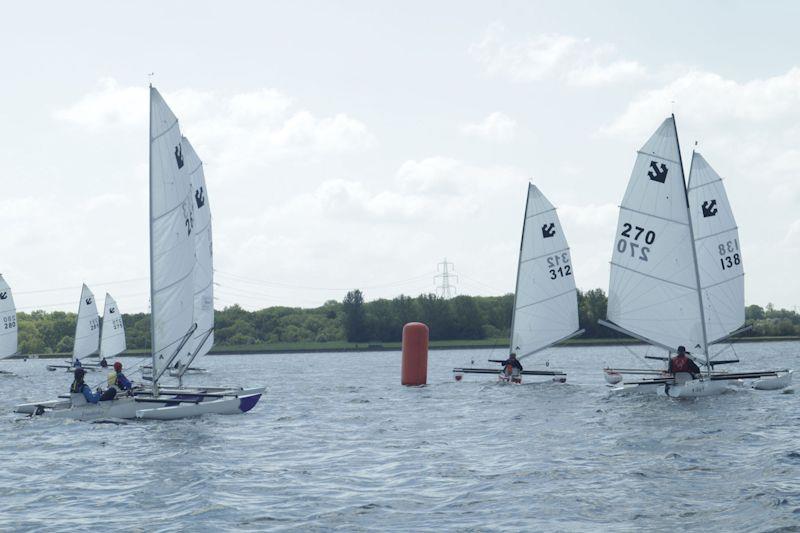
{"points": [[338, 444]]}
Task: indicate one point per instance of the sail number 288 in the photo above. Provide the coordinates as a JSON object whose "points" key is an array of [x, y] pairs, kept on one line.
{"points": [[559, 266], [634, 239]]}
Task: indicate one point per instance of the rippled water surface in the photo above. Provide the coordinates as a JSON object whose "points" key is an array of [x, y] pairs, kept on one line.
{"points": [[337, 443]]}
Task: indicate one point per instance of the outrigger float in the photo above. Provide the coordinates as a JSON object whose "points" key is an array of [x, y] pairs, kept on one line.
{"points": [[677, 274], [181, 285], [545, 299]]}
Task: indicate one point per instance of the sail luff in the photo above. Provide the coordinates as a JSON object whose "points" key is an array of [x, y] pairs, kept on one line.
{"points": [[152, 253], [694, 254], [519, 263]]}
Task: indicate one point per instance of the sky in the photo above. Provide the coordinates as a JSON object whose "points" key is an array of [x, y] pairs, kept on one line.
{"points": [[357, 144]]}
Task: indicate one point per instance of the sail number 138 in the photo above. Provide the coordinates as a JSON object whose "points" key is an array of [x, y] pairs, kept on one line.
{"points": [[729, 252], [634, 239]]}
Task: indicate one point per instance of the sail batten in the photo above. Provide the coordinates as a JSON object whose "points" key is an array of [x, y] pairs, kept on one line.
{"points": [[545, 298]]}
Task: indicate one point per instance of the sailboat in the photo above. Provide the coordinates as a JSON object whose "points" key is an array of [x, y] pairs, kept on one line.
{"points": [[172, 282], [677, 273], [8, 319], [112, 335], [87, 334], [545, 298]]}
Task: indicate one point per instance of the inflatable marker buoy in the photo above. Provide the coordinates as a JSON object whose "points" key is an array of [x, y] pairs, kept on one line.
{"points": [[414, 369]]}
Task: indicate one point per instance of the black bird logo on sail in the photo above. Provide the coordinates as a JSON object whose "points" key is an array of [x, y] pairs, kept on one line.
{"points": [[88, 301], [179, 155], [709, 208], [199, 198], [3, 295], [112, 310], [657, 173], [548, 230]]}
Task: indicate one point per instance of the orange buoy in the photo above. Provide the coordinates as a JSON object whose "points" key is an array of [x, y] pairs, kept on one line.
{"points": [[415, 354]]}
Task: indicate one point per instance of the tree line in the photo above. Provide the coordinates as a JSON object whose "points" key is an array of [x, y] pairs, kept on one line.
{"points": [[356, 320]]}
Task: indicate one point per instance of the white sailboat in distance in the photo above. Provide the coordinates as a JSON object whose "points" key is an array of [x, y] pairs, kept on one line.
{"points": [[172, 282], [677, 274], [112, 335], [87, 334], [8, 319], [545, 298]]}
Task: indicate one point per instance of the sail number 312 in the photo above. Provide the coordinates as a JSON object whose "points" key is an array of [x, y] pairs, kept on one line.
{"points": [[559, 266], [634, 239]]}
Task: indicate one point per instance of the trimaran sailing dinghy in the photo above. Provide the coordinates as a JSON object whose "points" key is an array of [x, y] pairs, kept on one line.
{"points": [[173, 321], [87, 334], [8, 318], [677, 275], [545, 299], [112, 334]]}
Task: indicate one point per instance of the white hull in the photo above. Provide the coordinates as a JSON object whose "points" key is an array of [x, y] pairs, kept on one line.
{"points": [[171, 405], [774, 383]]}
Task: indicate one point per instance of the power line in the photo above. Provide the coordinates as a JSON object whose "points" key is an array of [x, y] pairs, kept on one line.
{"points": [[278, 284]]}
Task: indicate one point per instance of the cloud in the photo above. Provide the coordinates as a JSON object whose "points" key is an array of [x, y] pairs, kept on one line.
{"points": [[576, 61], [497, 127], [260, 125]]}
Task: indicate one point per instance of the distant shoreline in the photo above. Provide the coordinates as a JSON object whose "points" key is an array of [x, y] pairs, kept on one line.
{"points": [[332, 347]]}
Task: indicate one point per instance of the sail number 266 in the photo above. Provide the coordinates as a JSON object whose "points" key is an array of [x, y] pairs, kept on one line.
{"points": [[634, 239], [559, 265]]}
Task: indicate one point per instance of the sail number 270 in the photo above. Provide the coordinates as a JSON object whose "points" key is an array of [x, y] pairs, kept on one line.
{"points": [[634, 239], [559, 265]]}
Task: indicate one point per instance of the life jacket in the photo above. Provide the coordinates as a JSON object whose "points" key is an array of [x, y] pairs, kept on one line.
{"points": [[112, 379], [680, 364], [509, 369], [75, 388]]}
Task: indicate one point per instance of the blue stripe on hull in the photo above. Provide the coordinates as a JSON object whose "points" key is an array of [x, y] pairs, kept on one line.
{"points": [[247, 403]]}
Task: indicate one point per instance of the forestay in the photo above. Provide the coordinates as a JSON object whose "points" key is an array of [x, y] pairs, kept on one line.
{"points": [[653, 287], [112, 337], [87, 329], [171, 239], [203, 337], [546, 301], [719, 255], [8, 318]]}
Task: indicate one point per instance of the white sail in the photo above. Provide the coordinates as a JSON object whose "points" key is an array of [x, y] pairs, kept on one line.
{"points": [[203, 337], [171, 239], [87, 329], [545, 301], [8, 319], [653, 291], [112, 337], [719, 255]]}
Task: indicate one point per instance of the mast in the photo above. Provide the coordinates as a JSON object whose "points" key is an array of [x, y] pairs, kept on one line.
{"points": [[694, 252], [150, 225], [519, 263]]}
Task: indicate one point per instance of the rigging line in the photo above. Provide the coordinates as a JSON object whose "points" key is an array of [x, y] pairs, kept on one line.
{"points": [[292, 286], [73, 286]]}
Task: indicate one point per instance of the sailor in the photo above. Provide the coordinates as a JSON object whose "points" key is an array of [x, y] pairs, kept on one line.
{"points": [[103, 363], [682, 363], [117, 379], [77, 363], [512, 366], [79, 387]]}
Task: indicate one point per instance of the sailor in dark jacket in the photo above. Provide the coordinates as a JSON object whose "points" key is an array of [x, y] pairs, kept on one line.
{"points": [[79, 387]]}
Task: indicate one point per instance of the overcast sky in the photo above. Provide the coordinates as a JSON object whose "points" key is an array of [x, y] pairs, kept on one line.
{"points": [[357, 144]]}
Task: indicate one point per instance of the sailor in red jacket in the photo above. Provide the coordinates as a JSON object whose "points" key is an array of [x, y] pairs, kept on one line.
{"points": [[681, 363]]}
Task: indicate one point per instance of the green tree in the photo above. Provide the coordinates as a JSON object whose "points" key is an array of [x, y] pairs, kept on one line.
{"points": [[354, 316]]}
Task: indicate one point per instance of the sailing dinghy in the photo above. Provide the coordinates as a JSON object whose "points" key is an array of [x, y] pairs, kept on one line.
{"points": [[8, 318], [87, 334], [112, 335], [677, 274], [172, 283], [545, 299]]}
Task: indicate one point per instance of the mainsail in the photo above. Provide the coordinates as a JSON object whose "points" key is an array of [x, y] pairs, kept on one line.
{"points": [[653, 292], [87, 329], [8, 318], [112, 338], [545, 299], [719, 254], [171, 239], [203, 337]]}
